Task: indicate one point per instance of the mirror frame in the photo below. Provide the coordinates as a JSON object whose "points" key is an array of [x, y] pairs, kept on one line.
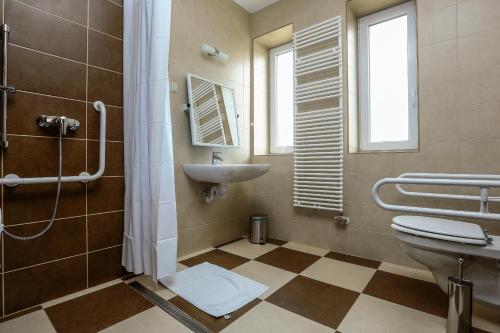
{"points": [[194, 142]]}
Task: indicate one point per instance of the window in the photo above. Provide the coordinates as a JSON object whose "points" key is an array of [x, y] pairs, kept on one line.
{"points": [[281, 99], [388, 79]]}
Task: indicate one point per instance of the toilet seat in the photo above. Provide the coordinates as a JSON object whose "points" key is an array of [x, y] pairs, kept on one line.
{"points": [[443, 229]]}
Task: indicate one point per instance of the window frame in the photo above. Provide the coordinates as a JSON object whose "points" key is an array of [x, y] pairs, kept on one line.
{"points": [[364, 23], [273, 53]]}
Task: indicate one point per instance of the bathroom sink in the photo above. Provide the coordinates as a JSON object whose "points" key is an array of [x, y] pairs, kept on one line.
{"points": [[225, 173]]}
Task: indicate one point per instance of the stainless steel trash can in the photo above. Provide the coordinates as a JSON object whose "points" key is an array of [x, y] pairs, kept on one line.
{"points": [[258, 228]]}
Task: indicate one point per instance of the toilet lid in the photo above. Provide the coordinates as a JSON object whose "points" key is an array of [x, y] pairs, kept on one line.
{"points": [[437, 228]]}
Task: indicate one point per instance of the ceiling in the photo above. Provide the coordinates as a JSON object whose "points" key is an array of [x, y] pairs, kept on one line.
{"points": [[252, 6]]}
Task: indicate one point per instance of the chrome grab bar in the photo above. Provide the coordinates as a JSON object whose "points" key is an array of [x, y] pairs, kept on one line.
{"points": [[14, 180], [483, 182]]}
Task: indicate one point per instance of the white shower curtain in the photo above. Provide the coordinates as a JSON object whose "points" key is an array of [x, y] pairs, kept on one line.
{"points": [[150, 234]]}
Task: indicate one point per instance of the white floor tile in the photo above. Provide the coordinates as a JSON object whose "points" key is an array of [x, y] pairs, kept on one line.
{"points": [[339, 273], [373, 315], [306, 248], [150, 321], [36, 321], [266, 317], [272, 277], [407, 271], [244, 248], [160, 290], [194, 254]]}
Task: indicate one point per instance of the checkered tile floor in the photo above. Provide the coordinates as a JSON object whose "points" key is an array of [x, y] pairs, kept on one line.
{"points": [[311, 290]]}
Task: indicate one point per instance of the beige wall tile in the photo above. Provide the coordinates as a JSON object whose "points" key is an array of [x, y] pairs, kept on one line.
{"points": [[429, 6], [478, 15], [481, 121], [438, 59], [437, 26], [479, 50]]}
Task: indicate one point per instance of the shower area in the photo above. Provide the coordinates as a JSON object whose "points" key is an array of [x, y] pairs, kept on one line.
{"points": [[61, 166]]}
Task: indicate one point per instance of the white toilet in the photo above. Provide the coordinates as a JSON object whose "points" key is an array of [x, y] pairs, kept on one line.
{"points": [[439, 243]]}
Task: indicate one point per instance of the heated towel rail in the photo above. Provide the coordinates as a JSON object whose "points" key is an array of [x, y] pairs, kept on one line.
{"points": [[483, 182], [13, 180], [318, 117]]}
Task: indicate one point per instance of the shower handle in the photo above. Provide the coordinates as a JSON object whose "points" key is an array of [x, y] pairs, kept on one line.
{"points": [[67, 124]]}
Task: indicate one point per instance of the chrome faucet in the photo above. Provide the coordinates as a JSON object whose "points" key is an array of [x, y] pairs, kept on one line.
{"points": [[217, 157], [66, 124]]}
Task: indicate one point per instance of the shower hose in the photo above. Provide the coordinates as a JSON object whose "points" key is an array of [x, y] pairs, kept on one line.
{"points": [[56, 203]]}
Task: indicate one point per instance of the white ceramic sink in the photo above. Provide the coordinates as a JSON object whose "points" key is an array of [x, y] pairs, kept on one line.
{"points": [[225, 173]]}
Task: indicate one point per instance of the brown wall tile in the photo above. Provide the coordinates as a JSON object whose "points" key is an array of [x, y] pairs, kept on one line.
{"points": [[114, 158], [48, 55], [28, 203], [105, 51], [46, 32], [24, 109], [114, 123], [45, 74], [105, 230], [105, 194], [38, 157], [107, 17], [38, 284], [105, 265], [74, 10], [66, 238], [105, 86]]}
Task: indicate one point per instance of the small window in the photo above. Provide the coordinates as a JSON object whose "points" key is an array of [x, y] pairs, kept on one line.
{"points": [[281, 99], [388, 79]]}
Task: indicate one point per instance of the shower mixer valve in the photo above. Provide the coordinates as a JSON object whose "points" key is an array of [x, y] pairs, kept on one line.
{"points": [[67, 124]]}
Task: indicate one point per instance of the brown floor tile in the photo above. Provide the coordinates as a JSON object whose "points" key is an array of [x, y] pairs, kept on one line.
{"points": [[97, 310], [212, 323], [275, 241], [105, 265], [32, 286], [66, 238], [231, 241], [413, 293], [318, 301], [216, 257], [290, 260], [353, 260]]}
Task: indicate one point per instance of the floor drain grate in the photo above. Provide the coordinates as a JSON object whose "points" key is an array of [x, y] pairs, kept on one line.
{"points": [[169, 308]]}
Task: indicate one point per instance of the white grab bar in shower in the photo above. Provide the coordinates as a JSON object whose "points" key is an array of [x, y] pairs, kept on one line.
{"points": [[13, 180], [483, 182]]}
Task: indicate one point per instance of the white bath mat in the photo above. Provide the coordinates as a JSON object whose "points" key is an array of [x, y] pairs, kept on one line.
{"points": [[214, 289]]}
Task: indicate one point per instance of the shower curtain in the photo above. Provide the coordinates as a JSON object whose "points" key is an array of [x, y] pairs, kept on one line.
{"points": [[150, 233]]}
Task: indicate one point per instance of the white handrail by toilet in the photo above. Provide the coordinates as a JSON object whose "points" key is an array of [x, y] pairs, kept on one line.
{"points": [[484, 182], [13, 180]]}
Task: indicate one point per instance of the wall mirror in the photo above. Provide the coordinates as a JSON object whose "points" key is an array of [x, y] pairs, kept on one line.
{"points": [[212, 112]]}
